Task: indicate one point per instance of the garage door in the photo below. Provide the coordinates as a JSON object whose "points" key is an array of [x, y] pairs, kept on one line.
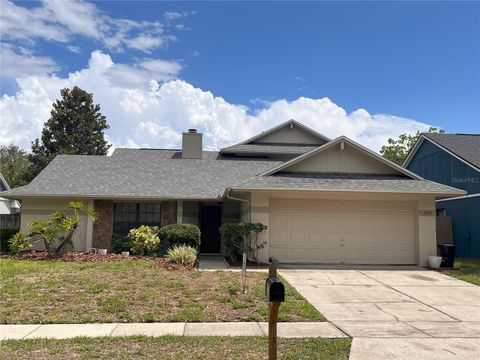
{"points": [[350, 232]]}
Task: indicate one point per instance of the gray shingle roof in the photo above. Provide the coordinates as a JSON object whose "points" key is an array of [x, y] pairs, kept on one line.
{"points": [[466, 146], [346, 182], [268, 149], [130, 173]]}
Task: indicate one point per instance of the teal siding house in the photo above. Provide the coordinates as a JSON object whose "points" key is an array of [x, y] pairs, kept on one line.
{"points": [[454, 160]]}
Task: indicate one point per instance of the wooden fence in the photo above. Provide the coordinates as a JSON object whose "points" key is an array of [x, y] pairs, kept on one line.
{"points": [[9, 221], [444, 230]]}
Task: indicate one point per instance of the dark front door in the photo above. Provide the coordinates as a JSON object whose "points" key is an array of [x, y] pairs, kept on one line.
{"points": [[210, 222]]}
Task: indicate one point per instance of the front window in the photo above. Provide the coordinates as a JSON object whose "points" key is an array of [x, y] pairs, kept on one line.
{"points": [[129, 215]]}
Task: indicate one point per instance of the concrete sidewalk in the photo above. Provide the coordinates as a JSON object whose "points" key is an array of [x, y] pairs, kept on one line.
{"points": [[65, 331]]}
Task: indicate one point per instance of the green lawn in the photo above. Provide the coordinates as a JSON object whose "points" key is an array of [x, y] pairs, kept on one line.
{"points": [[171, 347], [134, 291], [466, 270]]}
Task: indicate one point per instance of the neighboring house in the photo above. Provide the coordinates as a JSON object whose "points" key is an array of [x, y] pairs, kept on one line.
{"points": [[324, 201], [454, 160], [7, 206]]}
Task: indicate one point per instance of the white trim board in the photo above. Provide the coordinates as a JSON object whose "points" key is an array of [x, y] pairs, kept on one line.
{"points": [[460, 197]]}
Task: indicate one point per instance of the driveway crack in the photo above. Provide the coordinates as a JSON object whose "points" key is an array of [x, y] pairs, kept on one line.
{"points": [[409, 296]]}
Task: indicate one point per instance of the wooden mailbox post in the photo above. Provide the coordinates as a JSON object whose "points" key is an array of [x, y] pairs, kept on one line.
{"points": [[275, 294]]}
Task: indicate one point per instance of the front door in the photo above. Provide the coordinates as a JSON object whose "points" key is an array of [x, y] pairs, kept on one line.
{"points": [[210, 222]]}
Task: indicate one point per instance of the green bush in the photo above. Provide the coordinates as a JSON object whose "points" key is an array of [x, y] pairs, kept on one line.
{"points": [[232, 240], [120, 243], [145, 240], [5, 236], [19, 243], [181, 234], [182, 254]]}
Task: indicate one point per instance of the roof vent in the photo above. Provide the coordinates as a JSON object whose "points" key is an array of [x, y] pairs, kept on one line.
{"points": [[192, 144]]}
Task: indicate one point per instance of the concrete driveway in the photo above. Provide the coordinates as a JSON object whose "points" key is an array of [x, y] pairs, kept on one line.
{"points": [[395, 312]]}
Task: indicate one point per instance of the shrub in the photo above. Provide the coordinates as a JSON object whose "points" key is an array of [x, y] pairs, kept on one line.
{"points": [[5, 236], [234, 237], [120, 243], [181, 234], [232, 240], [182, 254], [145, 240], [19, 243]]}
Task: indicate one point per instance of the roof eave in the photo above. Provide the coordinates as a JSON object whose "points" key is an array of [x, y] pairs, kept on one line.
{"points": [[437, 194]]}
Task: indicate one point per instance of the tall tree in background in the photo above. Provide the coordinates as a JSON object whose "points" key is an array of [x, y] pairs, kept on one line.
{"points": [[14, 165], [397, 150], [76, 127]]}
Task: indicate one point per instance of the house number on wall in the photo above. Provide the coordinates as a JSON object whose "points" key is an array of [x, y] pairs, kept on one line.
{"points": [[427, 212]]}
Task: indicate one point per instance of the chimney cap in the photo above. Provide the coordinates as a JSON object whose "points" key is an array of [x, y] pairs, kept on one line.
{"points": [[192, 131]]}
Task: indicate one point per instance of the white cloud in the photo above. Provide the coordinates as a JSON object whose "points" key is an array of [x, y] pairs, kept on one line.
{"points": [[19, 62], [143, 112], [74, 49], [60, 21]]}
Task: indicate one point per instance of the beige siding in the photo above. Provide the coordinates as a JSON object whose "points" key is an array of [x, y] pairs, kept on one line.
{"points": [[348, 160], [287, 135], [35, 209]]}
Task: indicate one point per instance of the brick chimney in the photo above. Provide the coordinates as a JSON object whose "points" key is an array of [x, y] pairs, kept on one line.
{"points": [[192, 144]]}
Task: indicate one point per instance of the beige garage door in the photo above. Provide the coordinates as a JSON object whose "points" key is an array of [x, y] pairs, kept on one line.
{"points": [[350, 232]]}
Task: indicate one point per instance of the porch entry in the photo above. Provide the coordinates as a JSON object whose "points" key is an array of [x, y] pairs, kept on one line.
{"points": [[210, 222]]}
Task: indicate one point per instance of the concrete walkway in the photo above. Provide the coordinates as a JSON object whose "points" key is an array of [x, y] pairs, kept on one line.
{"points": [[65, 331], [395, 312]]}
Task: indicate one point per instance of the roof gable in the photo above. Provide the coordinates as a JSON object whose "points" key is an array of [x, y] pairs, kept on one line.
{"points": [[289, 138], [465, 147], [342, 155], [289, 132]]}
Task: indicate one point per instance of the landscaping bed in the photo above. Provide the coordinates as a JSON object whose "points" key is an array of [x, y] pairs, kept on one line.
{"points": [[134, 291], [466, 270], [170, 347], [91, 257]]}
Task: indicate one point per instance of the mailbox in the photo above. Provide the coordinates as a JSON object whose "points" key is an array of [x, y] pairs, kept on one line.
{"points": [[274, 290]]}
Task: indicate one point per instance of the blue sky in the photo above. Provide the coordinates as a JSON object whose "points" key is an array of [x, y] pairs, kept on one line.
{"points": [[410, 60]]}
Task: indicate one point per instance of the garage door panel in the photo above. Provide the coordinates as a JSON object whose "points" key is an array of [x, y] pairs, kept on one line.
{"points": [[315, 219], [297, 221], [279, 204], [315, 239], [279, 219], [333, 231]]}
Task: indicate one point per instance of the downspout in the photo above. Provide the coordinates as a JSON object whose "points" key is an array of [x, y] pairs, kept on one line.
{"points": [[228, 196], [245, 256]]}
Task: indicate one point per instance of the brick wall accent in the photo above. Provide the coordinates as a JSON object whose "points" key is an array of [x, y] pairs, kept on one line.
{"points": [[169, 213], [103, 227]]}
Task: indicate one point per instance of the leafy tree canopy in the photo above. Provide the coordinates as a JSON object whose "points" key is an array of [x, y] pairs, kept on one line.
{"points": [[75, 127], [14, 165], [397, 149]]}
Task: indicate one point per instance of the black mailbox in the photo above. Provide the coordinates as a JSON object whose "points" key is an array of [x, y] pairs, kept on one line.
{"points": [[274, 290]]}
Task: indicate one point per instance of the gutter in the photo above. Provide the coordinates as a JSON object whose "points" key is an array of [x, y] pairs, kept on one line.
{"points": [[228, 196]]}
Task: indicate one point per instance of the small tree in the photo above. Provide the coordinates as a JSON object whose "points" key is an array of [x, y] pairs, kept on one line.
{"points": [[242, 237], [397, 150], [56, 233], [76, 127]]}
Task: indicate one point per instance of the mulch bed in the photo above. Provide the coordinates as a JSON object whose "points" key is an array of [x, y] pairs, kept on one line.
{"points": [[250, 264], [74, 256]]}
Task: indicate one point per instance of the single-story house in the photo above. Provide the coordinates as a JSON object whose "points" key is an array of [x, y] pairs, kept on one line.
{"points": [[323, 200], [454, 160]]}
